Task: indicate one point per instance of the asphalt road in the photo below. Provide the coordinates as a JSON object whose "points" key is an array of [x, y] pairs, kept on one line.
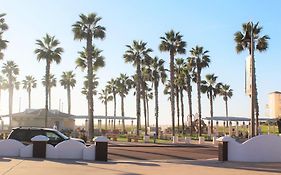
{"points": [[162, 153]]}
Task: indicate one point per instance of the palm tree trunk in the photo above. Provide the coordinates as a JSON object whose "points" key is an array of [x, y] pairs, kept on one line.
{"points": [[50, 98], [114, 99], [211, 112], [226, 111], [144, 107], [253, 94], [156, 107], [172, 74], [69, 99], [147, 109], [138, 96], [105, 105], [178, 106], [189, 103], [47, 91], [90, 90], [199, 99], [257, 111], [29, 99], [182, 109], [122, 113], [10, 99]]}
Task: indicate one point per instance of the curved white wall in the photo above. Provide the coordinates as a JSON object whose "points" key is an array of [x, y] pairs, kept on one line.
{"points": [[10, 148], [70, 149], [262, 148]]}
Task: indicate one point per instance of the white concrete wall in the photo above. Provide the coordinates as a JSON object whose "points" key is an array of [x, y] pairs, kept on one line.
{"points": [[262, 148], [69, 149], [10, 148]]}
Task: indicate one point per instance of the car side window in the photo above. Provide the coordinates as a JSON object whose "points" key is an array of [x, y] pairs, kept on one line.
{"points": [[19, 135], [52, 136], [33, 133]]}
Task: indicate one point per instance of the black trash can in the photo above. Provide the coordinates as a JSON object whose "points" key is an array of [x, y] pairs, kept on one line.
{"points": [[101, 148], [39, 146], [223, 151]]}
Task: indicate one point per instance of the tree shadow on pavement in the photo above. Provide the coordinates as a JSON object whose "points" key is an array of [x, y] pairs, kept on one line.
{"points": [[251, 166]]}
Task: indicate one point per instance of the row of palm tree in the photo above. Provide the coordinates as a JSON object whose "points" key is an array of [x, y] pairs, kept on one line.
{"points": [[11, 70], [149, 71]]}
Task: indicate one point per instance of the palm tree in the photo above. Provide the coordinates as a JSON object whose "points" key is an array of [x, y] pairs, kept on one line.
{"points": [[112, 89], [48, 50], [52, 83], [199, 60], [3, 27], [28, 84], [211, 88], [124, 84], [226, 93], [148, 96], [187, 70], [105, 98], [88, 28], [68, 81], [134, 55], [180, 84], [158, 74], [249, 38], [172, 43], [11, 70]]}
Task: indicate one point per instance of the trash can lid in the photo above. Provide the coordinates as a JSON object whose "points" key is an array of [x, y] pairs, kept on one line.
{"points": [[40, 138], [100, 139], [225, 139]]}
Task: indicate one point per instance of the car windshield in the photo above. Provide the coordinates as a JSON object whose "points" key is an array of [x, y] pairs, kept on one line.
{"points": [[62, 135]]}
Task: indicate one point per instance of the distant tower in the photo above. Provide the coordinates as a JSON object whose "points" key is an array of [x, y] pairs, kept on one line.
{"points": [[274, 104]]}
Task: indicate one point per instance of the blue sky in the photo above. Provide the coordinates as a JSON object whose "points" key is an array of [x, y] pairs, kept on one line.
{"points": [[207, 23]]}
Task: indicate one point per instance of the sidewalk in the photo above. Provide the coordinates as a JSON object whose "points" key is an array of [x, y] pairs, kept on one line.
{"points": [[11, 166]]}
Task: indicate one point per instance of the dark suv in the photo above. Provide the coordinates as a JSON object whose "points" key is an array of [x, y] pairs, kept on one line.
{"points": [[24, 135]]}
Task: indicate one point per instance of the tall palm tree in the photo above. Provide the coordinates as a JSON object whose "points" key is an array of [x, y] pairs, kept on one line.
{"points": [[187, 69], [11, 70], [28, 84], [52, 83], [158, 74], [112, 89], [172, 43], [199, 60], [249, 39], [211, 88], [105, 97], [48, 50], [88, 28], [3, 27], [124, 84], [135, 53], [226, 93], [68, 81]]}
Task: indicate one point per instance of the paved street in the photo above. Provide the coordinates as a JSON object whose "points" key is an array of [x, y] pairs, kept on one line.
{"points": [[9, 166], [189, 152]]}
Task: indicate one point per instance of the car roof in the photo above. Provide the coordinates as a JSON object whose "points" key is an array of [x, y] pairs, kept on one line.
{"points": [[34, 128]]}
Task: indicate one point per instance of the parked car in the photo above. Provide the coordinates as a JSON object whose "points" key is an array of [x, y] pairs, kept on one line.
{"points": [[24, 135]]}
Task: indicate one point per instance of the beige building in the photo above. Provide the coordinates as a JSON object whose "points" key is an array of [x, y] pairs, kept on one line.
{"points": [[36, 118], [274, 104]]}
